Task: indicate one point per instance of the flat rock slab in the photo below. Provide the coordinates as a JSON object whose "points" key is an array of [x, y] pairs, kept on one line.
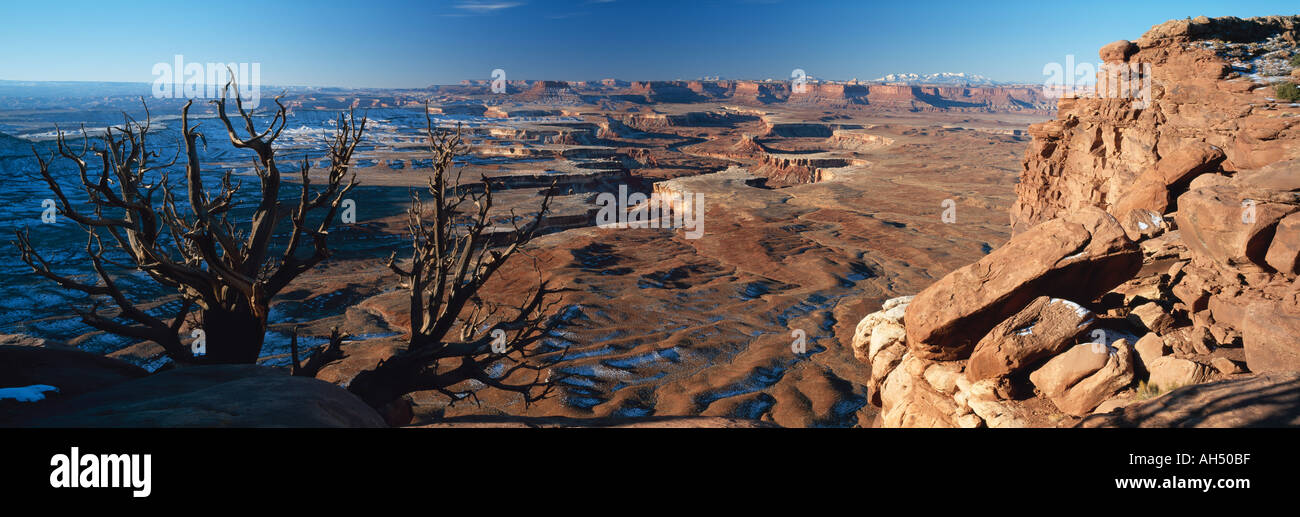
{"points": [[670, 422], [211, 396], [1083, 377], [1261, 400], [1271, 334], [1044, 328], [1077, 257], [70, 370], [1229, 225]]}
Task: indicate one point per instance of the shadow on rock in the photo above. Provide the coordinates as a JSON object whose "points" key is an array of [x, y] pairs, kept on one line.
{"points": [[1264, 400], [208, 396]]}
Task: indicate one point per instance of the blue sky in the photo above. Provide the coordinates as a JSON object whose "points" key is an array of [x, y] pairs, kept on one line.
{"points": [[379, 43]]}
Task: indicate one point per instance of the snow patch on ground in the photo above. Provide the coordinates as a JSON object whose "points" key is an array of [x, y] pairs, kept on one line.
{"points": [[33, 393], [1078, 309]]}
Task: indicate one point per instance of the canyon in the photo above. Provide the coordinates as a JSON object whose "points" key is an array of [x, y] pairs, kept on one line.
{"points": [[873, 255], [811, 213]]}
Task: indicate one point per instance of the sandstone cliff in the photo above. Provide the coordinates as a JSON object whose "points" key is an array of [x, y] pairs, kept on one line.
{"points": [[1156, 245], [759, 93]]}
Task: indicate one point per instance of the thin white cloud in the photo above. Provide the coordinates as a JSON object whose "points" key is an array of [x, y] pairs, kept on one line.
{"points": [[565, 15], [484, 7]]}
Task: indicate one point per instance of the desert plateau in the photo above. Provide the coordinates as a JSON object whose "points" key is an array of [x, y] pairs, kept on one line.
{"points": [[917, 250]]}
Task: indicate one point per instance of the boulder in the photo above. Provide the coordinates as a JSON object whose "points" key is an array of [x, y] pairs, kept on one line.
{"points": [[1081, 378], [1226, 225], [1117, 52], [1224, 336], [1167, 373], [1209, 180], [922, 393], [987, 400], [1046, 327], [1076, 257], [1218, 164], [1258, 400], [1188, 161], [1141, 224], [1225, 366], [1271, 336], [879, 322], [70, 371], [1170, 174], [1193, 288], [1149, 348], [1228, 307], [1151, 316], [1139, 290], [880, 341], [1148, 193], [908, 400], [211, 396], [1200, 340], [1284, 251]]}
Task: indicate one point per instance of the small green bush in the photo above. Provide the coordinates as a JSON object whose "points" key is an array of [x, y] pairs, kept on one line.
{"points": [[1287, 91], [1146, 391], [1295, 60]]}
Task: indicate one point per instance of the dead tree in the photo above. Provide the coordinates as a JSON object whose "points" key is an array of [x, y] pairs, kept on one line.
{"points": [[226, 270], [332, 351], [457, 338]]}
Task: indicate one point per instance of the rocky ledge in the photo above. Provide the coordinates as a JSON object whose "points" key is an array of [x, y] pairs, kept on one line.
{"points": [[1151, 279], [87, 390]]}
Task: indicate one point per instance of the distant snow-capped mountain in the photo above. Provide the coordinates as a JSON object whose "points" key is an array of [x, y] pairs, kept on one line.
{"points": [[958, 78]]}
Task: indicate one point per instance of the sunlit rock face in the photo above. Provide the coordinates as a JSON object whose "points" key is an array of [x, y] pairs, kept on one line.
{"points": [[1179, 202]]}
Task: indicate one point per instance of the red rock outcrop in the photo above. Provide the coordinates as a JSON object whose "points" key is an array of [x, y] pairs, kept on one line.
{"points": [[1210, 151], [1080, 379], [1077, 257], [958, 98], [827, 94], [1043, 329], [1246, 401], [1173, 212], [1100, 150], [785, 168], [550, 92]]}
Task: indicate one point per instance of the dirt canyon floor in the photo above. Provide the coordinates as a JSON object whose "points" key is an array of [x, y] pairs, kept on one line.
{"points": [[858, 255], [808, 225]]}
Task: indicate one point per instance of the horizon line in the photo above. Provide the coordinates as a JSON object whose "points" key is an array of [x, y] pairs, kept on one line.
{"points": [[879, 81]]}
